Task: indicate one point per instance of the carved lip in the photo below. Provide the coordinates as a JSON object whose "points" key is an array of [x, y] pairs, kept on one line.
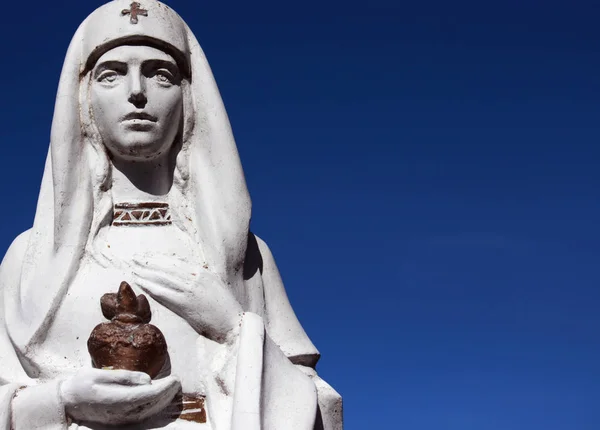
{"points": [[143, 116]]}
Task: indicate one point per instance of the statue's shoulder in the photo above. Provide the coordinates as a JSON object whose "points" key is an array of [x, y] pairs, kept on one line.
{"points": [[282, 324], [16, 252]]}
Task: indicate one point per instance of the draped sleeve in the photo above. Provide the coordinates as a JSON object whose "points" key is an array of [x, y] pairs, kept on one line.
{"points": [[285, 330], [18, 391], [11, 370], [280, 319]]}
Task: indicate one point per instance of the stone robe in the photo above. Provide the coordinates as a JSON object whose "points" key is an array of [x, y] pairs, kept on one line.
{"points": [[29, 397]]}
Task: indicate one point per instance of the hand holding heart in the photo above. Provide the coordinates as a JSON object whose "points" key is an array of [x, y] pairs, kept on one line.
{"points": [[190, 291]]}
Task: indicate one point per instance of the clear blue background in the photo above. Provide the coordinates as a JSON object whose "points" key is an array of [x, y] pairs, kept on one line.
{"points": [[427, 175]]}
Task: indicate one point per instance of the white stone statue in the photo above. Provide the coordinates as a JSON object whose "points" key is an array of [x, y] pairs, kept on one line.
{"points": [[143, 184]]}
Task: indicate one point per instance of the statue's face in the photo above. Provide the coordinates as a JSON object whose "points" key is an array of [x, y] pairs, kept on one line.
{"points": [[137, 101]]}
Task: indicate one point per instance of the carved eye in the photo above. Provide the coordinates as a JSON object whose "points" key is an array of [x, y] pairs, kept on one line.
{"points": [[108, 77], [164, 77]]}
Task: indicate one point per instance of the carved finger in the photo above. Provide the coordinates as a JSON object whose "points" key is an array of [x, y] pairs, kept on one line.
{"points": [[121, 377], [162, 279], [155, 289], [161, 389], [130, 404]]}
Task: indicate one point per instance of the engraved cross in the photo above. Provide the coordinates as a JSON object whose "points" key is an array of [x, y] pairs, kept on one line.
{"points": [[134, 12]]}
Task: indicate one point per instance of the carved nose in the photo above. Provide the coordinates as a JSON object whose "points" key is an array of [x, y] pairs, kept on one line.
{"points": [[138, 99], [137, 95]]}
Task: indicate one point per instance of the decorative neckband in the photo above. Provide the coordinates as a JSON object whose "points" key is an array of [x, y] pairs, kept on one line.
{"points": [[141, 214]]}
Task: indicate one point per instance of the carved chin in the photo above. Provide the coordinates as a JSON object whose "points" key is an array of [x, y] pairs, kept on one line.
{"points": [[139, 145]]}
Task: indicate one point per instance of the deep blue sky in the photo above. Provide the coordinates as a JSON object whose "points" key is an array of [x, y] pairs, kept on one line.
{"points": [[426, 174]]}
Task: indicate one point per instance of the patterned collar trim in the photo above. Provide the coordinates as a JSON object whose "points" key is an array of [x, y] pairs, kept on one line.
{"points": [[141, 214]]}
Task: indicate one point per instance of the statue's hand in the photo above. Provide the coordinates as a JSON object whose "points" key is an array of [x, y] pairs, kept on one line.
{"points": [[116, 396], [192, 292]]}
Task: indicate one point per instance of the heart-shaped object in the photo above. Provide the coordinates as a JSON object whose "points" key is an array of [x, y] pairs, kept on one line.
{"points": [[127, 341]]}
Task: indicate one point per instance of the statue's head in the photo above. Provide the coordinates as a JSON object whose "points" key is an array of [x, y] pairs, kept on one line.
{"points": [[136, 101], [136, 69]]}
